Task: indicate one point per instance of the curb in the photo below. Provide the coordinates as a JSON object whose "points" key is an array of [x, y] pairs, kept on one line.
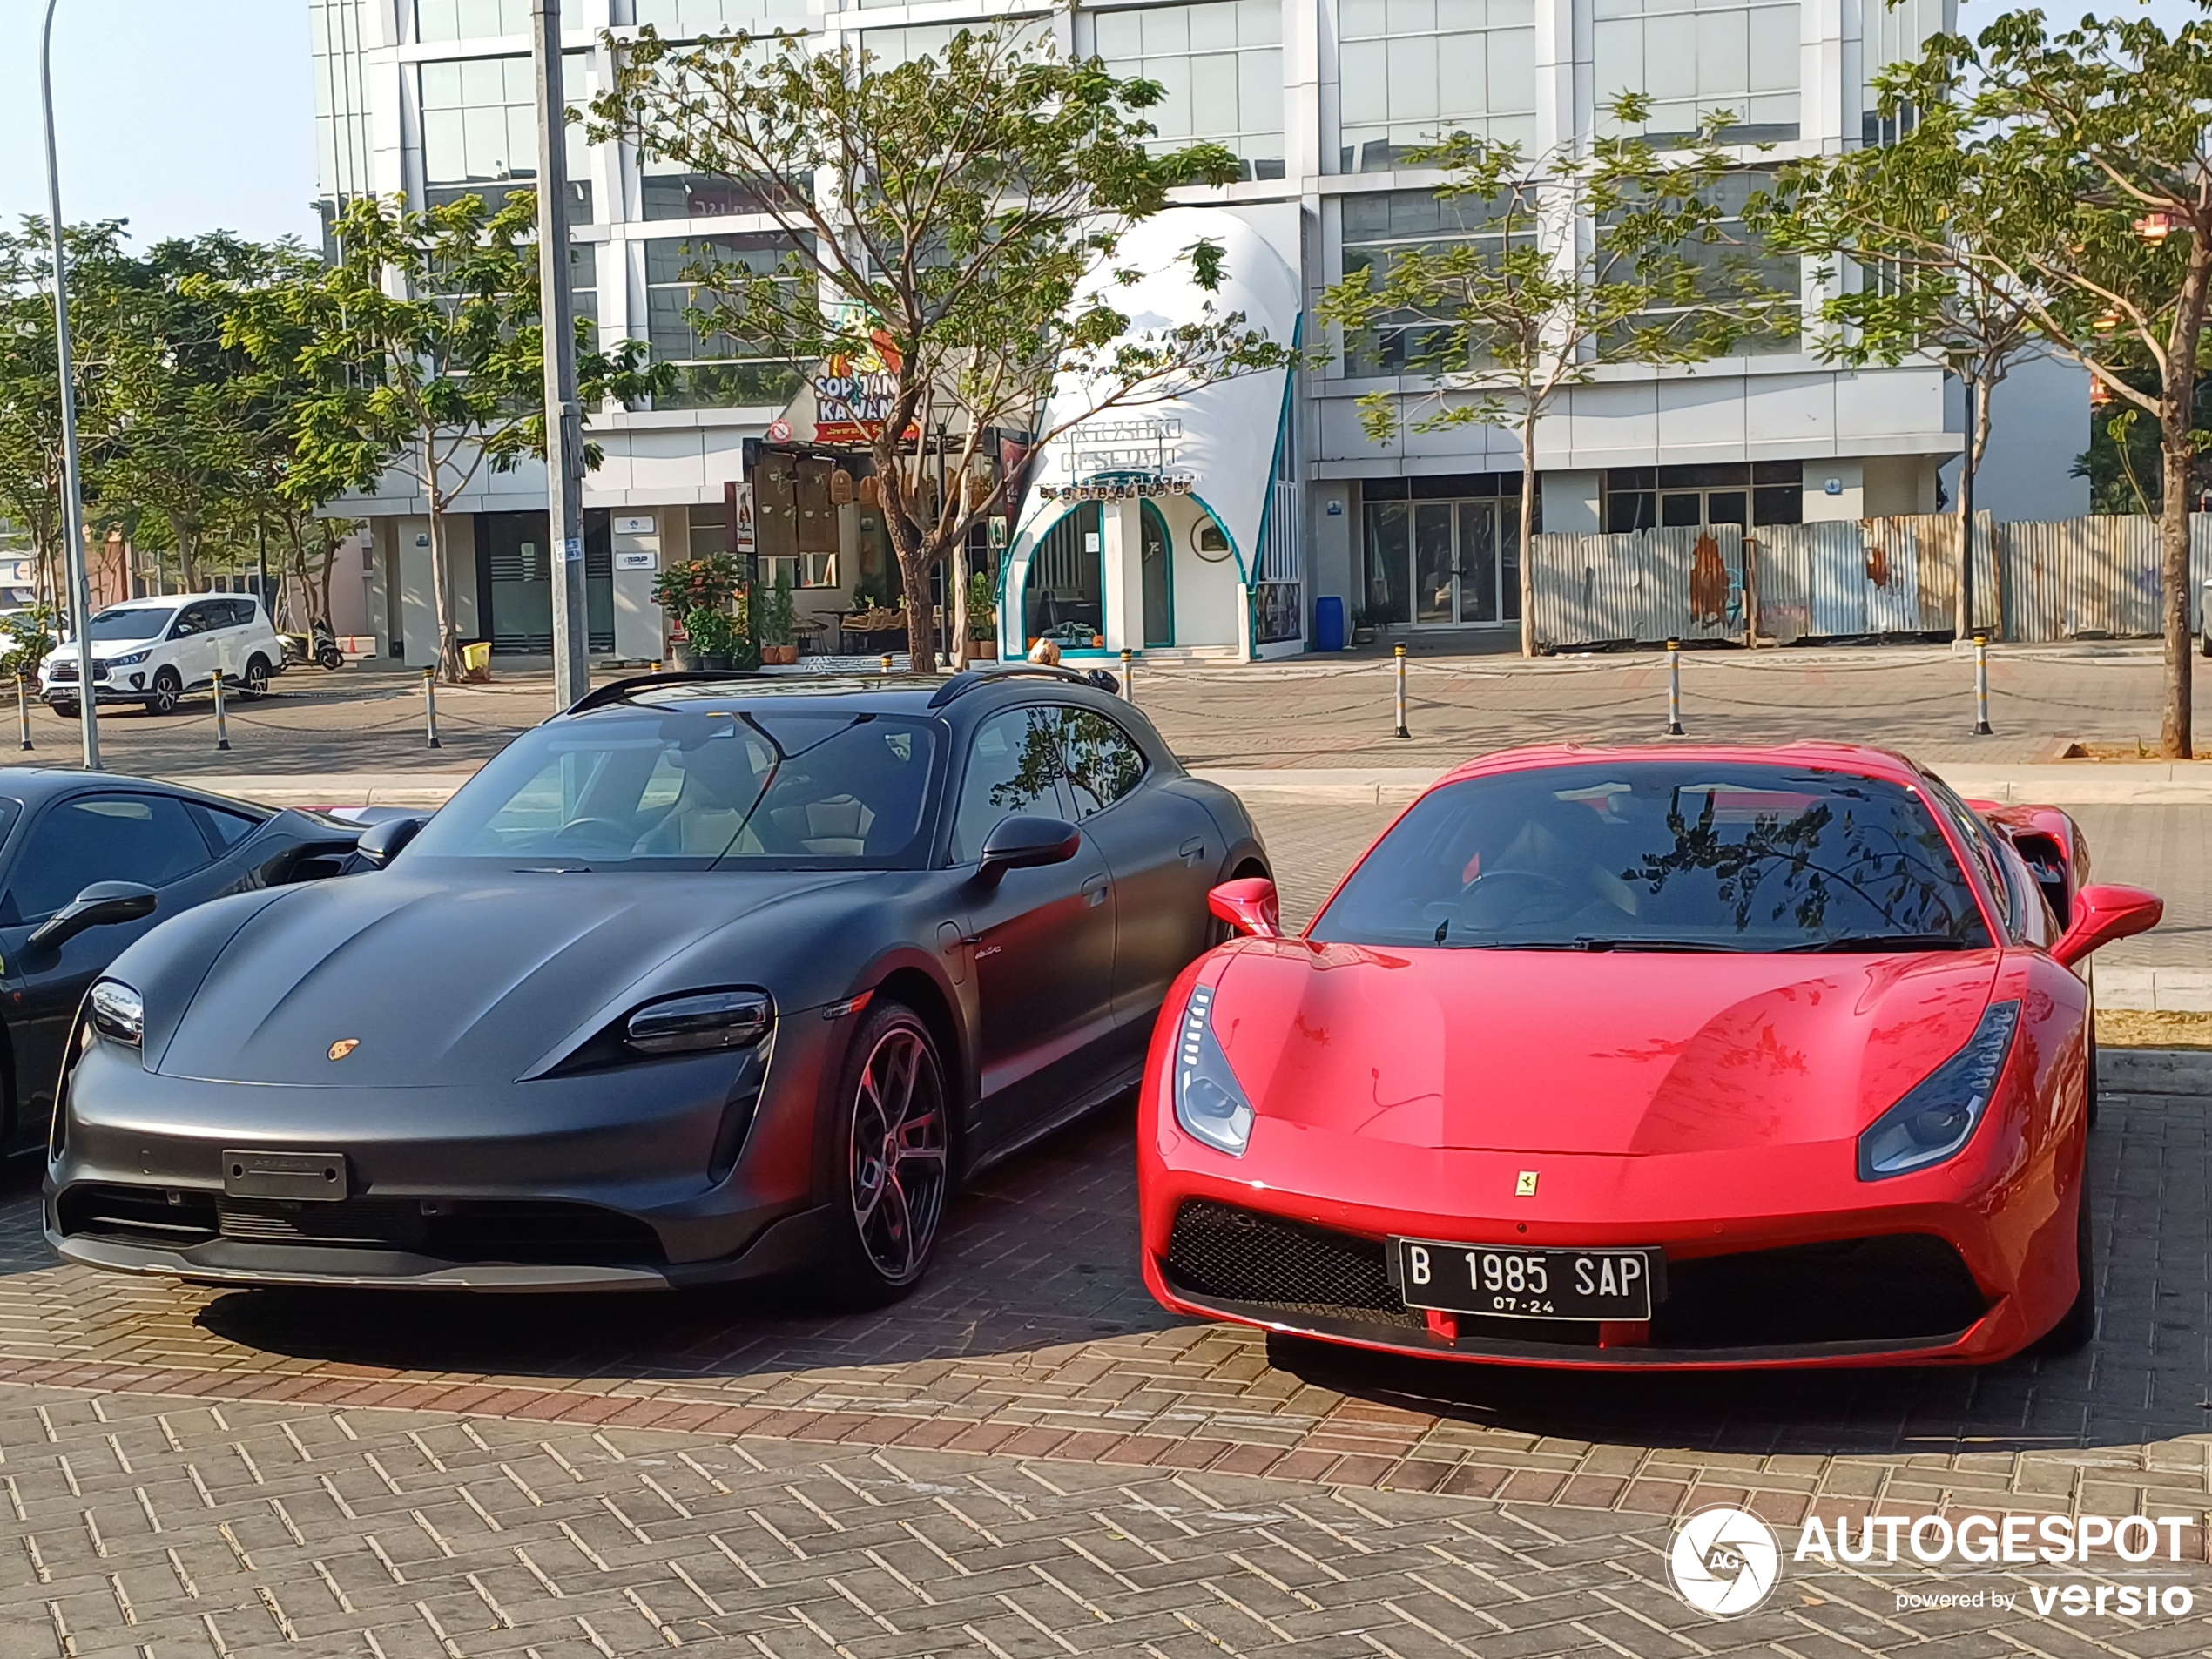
{"points": [[2155, 1071]]}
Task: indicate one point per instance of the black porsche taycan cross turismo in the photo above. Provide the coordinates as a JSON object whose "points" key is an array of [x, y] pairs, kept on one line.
{"points": [[706, 979]]}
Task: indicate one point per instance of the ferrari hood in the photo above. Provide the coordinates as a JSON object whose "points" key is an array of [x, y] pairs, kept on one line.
{"points": [[447, 981], [1578, 1052]]}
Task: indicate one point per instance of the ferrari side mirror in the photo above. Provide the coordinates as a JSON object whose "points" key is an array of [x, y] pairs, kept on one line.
{"points": [[381, 843], [1023, 842], [101, 905], [2103, 913], [1250, 906]]}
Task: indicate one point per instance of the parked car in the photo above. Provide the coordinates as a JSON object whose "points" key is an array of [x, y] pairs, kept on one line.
{"points": [[152, 652], [1619, 1057], [707, 978], [91, 861]]}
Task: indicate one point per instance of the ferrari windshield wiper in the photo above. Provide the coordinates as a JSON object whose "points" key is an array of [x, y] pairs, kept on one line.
{"points": [[1875, 944], [1590, 941]]}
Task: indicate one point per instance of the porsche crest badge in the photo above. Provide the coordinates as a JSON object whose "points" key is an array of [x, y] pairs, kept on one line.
{"points": [[343, 1046], [1524, 1184]]}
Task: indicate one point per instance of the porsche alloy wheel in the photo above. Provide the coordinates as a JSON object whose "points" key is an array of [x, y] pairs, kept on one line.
{"points": [[895, 1150]]}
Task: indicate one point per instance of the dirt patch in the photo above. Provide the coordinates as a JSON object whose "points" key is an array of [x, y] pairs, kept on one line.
{"points": [[2140, 749], [2143, 1028]]}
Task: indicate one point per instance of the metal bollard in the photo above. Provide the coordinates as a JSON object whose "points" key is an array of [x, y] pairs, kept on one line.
{"points": [[887, 661], [222, 719], [22, 711], [1981, 686], [1399, 653], [1128, 682], [1674, 688], [430, 707]]}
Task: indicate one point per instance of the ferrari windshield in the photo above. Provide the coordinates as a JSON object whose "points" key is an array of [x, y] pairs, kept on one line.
{"points": [[1659, 856], [691, 789]]}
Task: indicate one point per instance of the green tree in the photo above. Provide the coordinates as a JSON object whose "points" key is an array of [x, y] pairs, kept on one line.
{"points": [[1615, 252], [1901, 227], [960, 226], [420, 350], [2088, 155]]}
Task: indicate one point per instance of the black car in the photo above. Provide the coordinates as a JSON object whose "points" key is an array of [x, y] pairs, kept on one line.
{"points": [[706, 979], [89, 861]]}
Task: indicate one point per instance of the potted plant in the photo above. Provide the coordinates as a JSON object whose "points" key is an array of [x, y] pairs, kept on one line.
{"points": [[690, 586], [982, 618], [776, 622], [713, 639]]}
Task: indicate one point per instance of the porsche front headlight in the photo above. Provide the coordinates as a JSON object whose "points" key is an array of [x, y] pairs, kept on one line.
{"points": [[701, 1019], [1210, 1103], [118, 1012], [1937, 1117]]}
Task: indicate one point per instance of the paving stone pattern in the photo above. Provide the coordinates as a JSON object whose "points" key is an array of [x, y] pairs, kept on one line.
{"points": [[147, 1527]]}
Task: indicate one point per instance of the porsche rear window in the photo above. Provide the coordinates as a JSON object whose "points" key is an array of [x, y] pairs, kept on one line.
{"points": [[691, 789], [1659, 856]]}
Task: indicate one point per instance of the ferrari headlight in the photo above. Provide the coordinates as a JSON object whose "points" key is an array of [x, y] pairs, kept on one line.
{"points": [[1938, 1115], [1210, 1103], [118, 1013], [701, 1019]]}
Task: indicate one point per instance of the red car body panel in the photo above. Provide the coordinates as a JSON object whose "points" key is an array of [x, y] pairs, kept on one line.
{"points": [[1709, 1104]]}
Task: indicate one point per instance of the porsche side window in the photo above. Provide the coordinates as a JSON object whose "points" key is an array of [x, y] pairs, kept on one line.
{"points": [[1100, 761], [102, 838], [1012, 767]]}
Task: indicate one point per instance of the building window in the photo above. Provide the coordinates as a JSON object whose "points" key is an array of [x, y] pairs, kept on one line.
{"points": [[437, 20], [689, 19], [343, 141], [1064, 596], [1221, 64], [1734, 258], [1745, 494], [891, 47], [1443, 551], [480, 130], [584, 283], [709, 538], [1695, 57], [1380, 226], [715, 370], [1411, 71], [1892, 34]]}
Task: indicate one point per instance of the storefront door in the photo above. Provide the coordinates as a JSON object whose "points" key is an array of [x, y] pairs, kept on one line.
{"points": [[515, 574], [1462, 558], [1159, 590]]}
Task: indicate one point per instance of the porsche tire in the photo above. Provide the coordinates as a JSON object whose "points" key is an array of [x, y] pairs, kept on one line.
{"points": [[2079, 1322], [894, 1163]]}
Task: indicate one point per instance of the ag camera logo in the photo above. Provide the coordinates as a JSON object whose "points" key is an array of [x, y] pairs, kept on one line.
{"points": [[1724, 1561]]}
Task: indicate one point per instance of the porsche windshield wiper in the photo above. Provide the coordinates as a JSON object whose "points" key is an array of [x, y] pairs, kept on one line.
{"points": [[1875, 944]]}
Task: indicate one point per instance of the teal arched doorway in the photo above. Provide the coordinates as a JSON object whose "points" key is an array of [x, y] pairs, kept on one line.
{"points": [[1157, 557], [1064, 599]]}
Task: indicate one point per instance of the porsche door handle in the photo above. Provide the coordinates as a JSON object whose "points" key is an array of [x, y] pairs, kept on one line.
{"points": [[1193, 852], [1095, 889]]}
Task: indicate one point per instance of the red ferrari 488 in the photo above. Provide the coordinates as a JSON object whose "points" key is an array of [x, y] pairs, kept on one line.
{"points": [[1697, 1057]]}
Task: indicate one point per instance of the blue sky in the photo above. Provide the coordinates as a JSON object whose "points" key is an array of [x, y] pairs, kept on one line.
{"points": [[190, 115]]}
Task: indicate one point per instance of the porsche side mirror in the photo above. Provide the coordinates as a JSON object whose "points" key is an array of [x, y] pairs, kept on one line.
{"points": [[2103, 913], [1022, 843], [1250, 906], [381, 843], [101, 905]]}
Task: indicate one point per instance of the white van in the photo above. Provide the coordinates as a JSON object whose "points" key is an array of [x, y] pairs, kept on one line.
{"points": [[152, 652]]}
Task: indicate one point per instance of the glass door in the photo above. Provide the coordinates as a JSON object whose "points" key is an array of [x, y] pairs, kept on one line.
{"points": [[1489, 561], [1434, 576]]}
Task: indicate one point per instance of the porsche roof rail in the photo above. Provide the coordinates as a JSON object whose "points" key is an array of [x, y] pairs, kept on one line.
{"points": [[615, 691], [967, 679]]}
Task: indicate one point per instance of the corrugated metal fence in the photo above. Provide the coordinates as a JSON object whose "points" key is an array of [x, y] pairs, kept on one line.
{"points": [[1856, 578]]}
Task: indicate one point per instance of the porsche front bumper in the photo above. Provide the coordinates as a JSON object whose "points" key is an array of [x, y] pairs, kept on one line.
{"points": [[604, 1181]]}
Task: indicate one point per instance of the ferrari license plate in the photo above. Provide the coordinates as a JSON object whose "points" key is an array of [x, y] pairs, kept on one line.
{"points": [[1526, 1283]]}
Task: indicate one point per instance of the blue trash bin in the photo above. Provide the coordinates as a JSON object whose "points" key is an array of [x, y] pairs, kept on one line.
{"points": [[1328, 623]]}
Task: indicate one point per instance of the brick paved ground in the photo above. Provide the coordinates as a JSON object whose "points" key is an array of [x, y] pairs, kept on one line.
{"points": [[1311, 711]]}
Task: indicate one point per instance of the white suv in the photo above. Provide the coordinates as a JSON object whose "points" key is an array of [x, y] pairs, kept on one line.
{"points": [[152, 652]]}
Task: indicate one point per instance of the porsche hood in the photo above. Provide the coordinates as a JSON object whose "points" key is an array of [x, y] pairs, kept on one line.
{"points": [[1577, 1052], [395, 980]]}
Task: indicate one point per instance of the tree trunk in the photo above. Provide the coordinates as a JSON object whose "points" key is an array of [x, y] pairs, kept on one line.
{"points": [[1528, 554], [2177, 448], [448, 664], [921, 616], [1977, 428], [956, 581], [322, 579]]}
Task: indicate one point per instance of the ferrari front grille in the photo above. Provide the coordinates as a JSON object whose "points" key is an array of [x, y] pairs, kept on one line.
{"points": [[1217, 1249], [1899, 1287]]}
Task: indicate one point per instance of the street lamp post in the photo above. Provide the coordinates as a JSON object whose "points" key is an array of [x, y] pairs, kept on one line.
{"points": [[80, 588], [563, 411]]}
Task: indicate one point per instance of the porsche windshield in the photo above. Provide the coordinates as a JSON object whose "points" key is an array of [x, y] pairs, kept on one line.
{"points": [[690, 789], [1660, 856]]}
